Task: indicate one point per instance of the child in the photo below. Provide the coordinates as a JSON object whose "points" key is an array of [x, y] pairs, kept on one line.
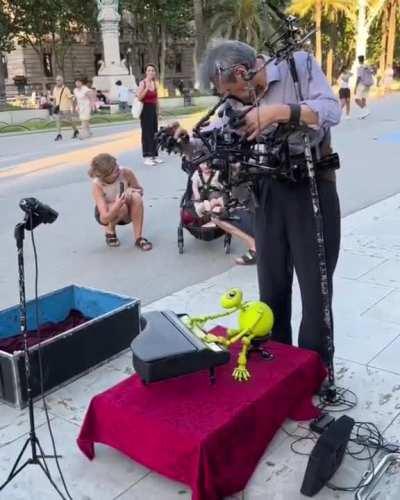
{"points": [[207, 191], [118, 197]]}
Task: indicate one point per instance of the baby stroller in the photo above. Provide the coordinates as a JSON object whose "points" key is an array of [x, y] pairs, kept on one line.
{"points": [[190, 221]]}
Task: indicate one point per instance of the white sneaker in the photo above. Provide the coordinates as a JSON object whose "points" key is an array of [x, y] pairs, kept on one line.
{"points": [[365, 113], [347, 117], [157, 160], [149, 161]]}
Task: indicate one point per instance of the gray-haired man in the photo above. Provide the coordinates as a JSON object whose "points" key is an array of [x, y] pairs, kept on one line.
{"points": [[285, 227]]}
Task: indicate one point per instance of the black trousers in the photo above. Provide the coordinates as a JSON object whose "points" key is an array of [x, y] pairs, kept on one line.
{"points": [[286, 239], [149, 124]]}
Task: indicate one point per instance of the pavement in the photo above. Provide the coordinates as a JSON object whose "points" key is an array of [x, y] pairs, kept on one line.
{"points": [[366, 311]]}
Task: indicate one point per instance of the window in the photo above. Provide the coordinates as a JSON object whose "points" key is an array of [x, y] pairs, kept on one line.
{"points": [[47, 64], [178, 63]]}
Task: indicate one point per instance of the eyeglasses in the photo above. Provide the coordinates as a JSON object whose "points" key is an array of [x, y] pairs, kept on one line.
{"points": [[219, 68]]}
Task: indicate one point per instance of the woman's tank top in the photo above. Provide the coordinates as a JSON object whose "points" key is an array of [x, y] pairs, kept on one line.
{"points": [[150, 97], [111, 191]]}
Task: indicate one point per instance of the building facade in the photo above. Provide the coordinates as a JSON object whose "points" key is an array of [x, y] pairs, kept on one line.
{"points": [[27, 71]]}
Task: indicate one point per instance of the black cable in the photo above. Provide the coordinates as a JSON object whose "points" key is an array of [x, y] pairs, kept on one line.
{"points": [[365, 436], [345, 400], [41, 372]]}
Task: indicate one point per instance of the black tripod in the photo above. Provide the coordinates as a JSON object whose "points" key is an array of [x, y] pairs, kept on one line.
{"points": [[32, 219]]}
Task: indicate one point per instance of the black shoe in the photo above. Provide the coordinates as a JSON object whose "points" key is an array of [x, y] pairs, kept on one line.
{"points": [[58, 138], [76, 134]]}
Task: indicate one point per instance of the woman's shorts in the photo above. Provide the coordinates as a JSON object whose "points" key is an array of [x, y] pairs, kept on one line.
{"points": [[97, 217], [362, 91], [344, 93]]}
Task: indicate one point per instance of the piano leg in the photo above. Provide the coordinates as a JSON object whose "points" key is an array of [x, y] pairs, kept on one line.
{"points": [[213, 377]]}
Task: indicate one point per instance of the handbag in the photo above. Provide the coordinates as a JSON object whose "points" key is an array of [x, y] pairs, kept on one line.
{"points": [[137, 107], [56, 109]]}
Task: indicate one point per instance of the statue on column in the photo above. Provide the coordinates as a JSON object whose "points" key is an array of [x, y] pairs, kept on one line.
{"points": [[112, 68], [108, 10]]}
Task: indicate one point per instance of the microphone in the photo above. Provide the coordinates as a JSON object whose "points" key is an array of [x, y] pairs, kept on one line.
{"points": [[36, 213]]}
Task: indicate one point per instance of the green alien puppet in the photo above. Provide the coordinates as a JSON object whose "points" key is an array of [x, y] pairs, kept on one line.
{"points": [[255, 322]]}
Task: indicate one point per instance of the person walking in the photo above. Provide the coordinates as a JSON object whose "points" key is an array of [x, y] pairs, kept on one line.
{"points": [[123, 97], [147, 93], [62, 99], [84, 105], [365, 80], [344, 90]]}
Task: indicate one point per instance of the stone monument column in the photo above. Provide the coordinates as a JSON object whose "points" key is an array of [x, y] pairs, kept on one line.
{"points": [[112, 68]]}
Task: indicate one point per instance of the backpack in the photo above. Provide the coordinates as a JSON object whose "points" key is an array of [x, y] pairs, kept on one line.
{"points": [[367, 77]]}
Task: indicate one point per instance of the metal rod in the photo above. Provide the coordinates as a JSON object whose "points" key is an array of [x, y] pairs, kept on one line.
{"points": [[374, 476]]}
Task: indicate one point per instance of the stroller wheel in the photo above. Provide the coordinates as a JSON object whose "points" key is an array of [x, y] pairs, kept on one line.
{"points": [[227, 244], [180, 239]]}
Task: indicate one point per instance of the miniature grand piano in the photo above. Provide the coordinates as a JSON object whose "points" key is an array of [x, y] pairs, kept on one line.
{"points": [[167, 348]]}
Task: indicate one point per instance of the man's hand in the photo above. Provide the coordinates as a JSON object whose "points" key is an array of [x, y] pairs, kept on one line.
{"points": [[261, 117], [178, 131]]}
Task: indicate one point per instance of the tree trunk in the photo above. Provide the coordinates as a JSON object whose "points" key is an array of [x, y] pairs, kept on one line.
{"points": [[163, 53], [391, 33], [200, 39], [318, 34], [384, 29], [362, 29], [3, 99], [329, 65]]}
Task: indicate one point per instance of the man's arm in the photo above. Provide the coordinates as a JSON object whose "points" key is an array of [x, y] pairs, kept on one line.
{"points": [[319, 108]]}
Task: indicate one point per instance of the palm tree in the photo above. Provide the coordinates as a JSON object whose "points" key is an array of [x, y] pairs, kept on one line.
{"points": [[240, 20], [321, 9], [367, 11], [200, 36], [391, 37]]}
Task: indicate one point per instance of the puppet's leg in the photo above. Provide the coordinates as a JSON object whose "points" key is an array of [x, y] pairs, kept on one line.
{"points": [[241, 373]]}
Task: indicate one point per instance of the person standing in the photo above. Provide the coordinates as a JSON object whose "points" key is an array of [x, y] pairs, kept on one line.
{"points": [[284, 221], [147, 93], [63, 108], [84, 105], [364, 82], [123, 97], [344, 90]]}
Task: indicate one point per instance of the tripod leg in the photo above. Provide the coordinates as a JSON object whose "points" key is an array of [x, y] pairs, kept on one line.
{"points": [[14, 470], [45, 470], [14, 473], [42, 455]]}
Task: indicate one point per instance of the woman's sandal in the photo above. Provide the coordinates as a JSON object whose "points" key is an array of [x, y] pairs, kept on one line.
{"points": [[112, 240], [143, 244], [248, 259]]}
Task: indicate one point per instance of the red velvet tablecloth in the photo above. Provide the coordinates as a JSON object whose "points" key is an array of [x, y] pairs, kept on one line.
{"points": [[207, 436]]}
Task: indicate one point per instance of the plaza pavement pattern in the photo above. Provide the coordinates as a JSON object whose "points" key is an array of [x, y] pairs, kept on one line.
{"points": [[367, 332]]}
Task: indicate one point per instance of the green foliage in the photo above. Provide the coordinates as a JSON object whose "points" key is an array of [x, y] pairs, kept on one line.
{"points": [[35, 21], [6, 29], [148, 15]]}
